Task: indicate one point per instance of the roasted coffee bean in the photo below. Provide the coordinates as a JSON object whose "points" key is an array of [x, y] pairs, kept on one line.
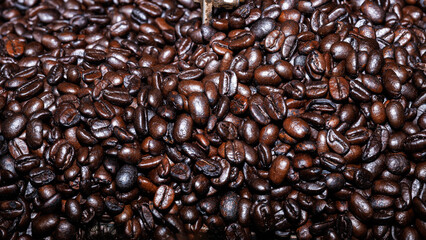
{"points": [[180, 172], [296, 127], [157, 127], [373, 12], [94, 55], [44, 225], [67, 115], [26, 163], [360, 207], [235, 151], [335, 182], [164, 197], [395, 114], [15, 47], [275, 106], [375, 144], [258, 110], [266, 75], [34, 131], [337, 142], [210, 168], [17, 148], [41, 176], [332, 162], [227, 206], [392, 84], [397, 163], [13, 126], [279, 169], [182, 130], [199, 108], [274, 40], [262, 27], [126, 177], [130, 153], [339, 88], [228, 83], [242, 40], [61, 155], [238, 105]]}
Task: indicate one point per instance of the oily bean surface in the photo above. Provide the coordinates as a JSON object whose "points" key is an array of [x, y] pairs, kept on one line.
{"points": [[283, 119]]}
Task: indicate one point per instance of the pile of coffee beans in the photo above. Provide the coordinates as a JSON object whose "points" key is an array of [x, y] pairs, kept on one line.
{"points": [[280, 119]]}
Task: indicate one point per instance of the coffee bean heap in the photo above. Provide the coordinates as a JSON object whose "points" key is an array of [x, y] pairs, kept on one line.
{"points": [[129, 119]]}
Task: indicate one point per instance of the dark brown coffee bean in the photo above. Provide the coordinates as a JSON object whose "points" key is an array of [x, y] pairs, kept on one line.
{"points": [[199, 108], [337, 142], [279, 169], [235, 152], [262, 27], [360, 207], [55, 74], [15, 47], [26, 163], [392, 83], [17, 148], [284, 69], [227, 206], [157, 127], [182, 130], [332, 162], [275, 106], [41, 176], [274, 40], [130, 153], [395, 114], [13, 126], [339, 88], [164, 197], [210, 168], [296, 127], [180, 172], [415, 142], [258, 110], [373, 12], [397, 163], [126, 177], [44, 225], [61, 154], [266, 75], [239, 104], [104, 109], [242, 40], [67, 115], [227, 83], [341, 50], [260, 212]]}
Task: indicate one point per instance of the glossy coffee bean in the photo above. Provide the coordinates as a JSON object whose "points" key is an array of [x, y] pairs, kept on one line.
{"points": [[262, 27], [227, 209], [360, 207], [13, 126], [199, 108], [126, 177], [44, 225], [164, 197], [296, 127], [266, 75], [279, 169], [395, 115]]}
